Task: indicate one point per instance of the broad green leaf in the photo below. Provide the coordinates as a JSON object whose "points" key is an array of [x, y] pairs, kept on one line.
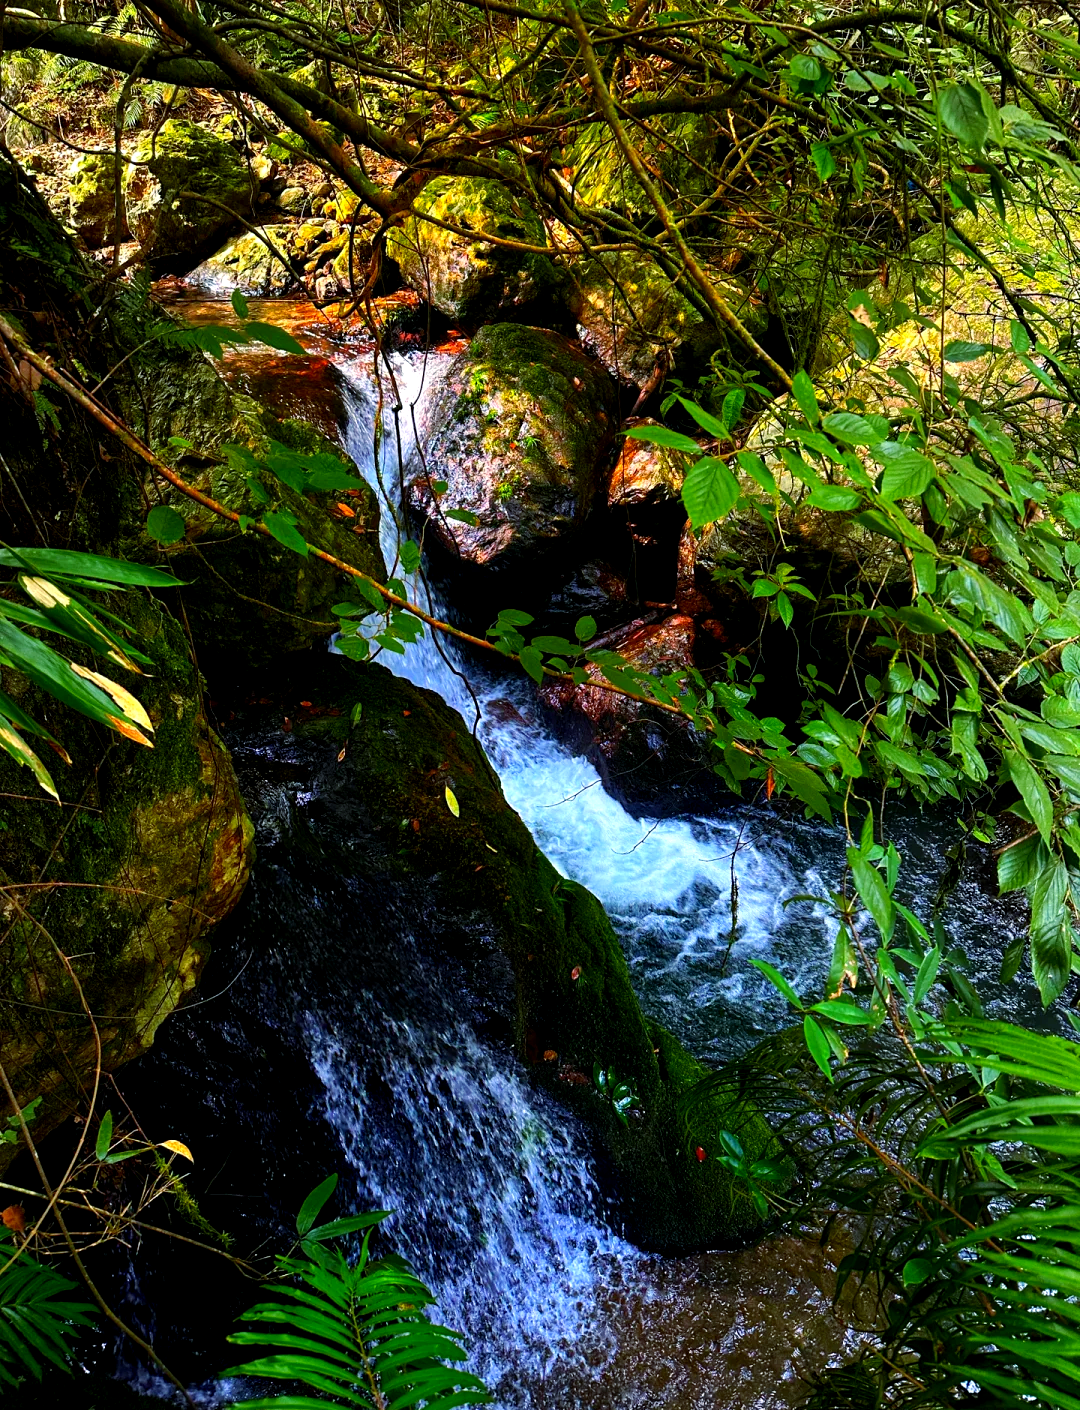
{"points": [[274, 337], [777, 980], [706, 420], [239, 303], [967, 585], [907, 471], [1032, 789], [709, 492], [463, 516], [584, 628], [753, 465], [959, 351], [961, 111], [872, 892], [164, 525], [855, 430], [817, 1044], [802, 388], [1020, 864], [823, 159], [841, 1011], [663, 436], [1051, 933], [834, 498], [282, 526], [803, 782], [410, 555]]}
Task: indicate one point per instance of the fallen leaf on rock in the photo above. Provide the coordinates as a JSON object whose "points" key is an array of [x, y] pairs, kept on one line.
{"points": [[178, 1148], [452, 802], [699, 1151], [575, 973]]}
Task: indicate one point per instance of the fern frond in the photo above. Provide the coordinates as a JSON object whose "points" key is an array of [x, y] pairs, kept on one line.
{"points": [[354, 1331], [37, 1323]]}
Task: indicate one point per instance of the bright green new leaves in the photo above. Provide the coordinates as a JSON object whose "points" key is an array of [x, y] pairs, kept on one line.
{"points": [[907, 472], [710, 491]]}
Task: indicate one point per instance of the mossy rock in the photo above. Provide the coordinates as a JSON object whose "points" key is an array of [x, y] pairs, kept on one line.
{"points": [[110, 898], [92, 199], [680, 149], [174, 229], [245, 263], [637, 321], [465, 279], [519, 430], [392, 753]]}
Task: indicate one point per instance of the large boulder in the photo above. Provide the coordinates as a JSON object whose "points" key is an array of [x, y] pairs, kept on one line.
{"points": [[468, 280], [109, 900], [185, 189], [679, 150], [518, 431], [462, 896], [640, 325], [92, 199], [256, 262]]}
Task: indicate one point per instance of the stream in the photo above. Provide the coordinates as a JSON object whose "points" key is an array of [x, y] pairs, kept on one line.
{"points": [[384, 1061]]}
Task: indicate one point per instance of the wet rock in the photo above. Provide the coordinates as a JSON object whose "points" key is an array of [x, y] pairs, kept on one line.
{"points": [[632, 744], [92, 199], [518, 431], [465, 279], [640, 325], [246, 263], [645, 507], [174, 227]]}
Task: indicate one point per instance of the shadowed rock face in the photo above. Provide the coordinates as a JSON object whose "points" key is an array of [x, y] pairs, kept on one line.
{"points": [[518, 430]]}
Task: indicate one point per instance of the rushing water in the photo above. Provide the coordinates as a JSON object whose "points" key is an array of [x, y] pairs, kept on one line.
{"points": [[498, 1204]]}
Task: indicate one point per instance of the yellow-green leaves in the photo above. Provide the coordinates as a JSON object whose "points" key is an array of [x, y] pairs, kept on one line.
{"points": [[451, 801]]}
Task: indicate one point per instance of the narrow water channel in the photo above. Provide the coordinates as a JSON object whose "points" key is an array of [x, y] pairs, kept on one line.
{"points": [[352, 1039]]}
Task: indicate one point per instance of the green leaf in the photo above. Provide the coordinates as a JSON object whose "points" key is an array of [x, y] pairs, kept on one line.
{"points": [[872, 892], [823, 160], [777, 980], [584, 628], [1032, 789], [834, 498], [274, 337], [282, 526], [66, 563], [663, 436], [463, 516], [802, 388], [240, 304], [104, 1136], [959, 351], [410, 556], [817, 1044], [164, 525], [907, 471], [706, 420], [1051, 934], [709, 492], [753, 465], [855, 430], [803, 782], [309, 1210], [844, 1012], [961, 111]]}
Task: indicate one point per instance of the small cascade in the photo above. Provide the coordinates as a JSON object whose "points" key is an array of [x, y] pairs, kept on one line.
{"points": [[404, 1089]]}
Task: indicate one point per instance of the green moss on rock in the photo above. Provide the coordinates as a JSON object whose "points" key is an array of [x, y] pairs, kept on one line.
{"points": [[92, 199], [182, 157], [469, 280], [519, 430]]}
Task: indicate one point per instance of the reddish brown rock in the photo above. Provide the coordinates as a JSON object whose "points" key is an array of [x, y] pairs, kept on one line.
{"points": [[628, 737]]}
